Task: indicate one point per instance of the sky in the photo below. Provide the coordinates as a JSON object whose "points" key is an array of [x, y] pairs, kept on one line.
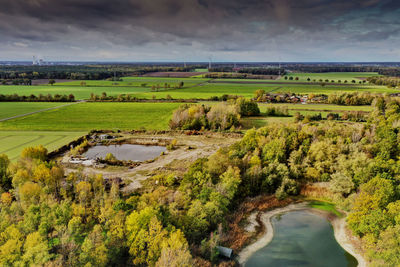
{"points": [[197, 30]]}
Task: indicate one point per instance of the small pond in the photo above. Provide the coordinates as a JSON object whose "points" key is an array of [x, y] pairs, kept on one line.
{"points": [[302, 238], [125, 152]]}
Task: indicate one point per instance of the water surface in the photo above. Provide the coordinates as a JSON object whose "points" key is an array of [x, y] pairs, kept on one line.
{"points": [[301, 238], [125, 152]]}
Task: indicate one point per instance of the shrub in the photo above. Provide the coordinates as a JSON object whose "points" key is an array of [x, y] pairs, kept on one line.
{"points": [[277, 112], [196, 117], [247, 107]]}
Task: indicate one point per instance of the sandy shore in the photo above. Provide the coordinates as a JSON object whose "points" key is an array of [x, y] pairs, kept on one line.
{"points": [[339, 226]]}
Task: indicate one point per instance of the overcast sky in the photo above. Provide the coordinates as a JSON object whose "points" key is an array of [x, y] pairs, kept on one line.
{"points": [[194, 30]]}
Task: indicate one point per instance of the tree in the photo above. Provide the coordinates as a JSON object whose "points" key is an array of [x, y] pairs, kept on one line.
{"points": [[145, 235], [12, 241], [52, 81], [175, 251], [84, 192], [5, 177], [36, 250], [30, 193], [94, 250], [388, 247], [259, 93], [38, 152], [341, 183], [368, 215]]}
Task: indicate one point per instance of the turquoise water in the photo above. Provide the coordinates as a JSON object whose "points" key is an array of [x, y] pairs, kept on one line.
{"points": [[302, 238]]}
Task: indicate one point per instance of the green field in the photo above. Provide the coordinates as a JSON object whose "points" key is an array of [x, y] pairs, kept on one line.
{"points": [[247, 90], [12, 142], [89, 116], [78, 91], [198, 88], [10, 109], [137, 82]]}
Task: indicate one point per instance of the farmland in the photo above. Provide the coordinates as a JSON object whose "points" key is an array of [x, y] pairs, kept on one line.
{"points": [[13, 142], [88, 116], [83, 117], [10, 109], [137, 82], [141, 87]]}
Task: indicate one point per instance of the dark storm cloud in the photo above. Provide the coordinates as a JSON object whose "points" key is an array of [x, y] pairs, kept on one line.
{"points": [[215, 25]]}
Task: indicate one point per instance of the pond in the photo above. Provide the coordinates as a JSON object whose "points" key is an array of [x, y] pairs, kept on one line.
{"points": [[301, 238], [125, 152]]}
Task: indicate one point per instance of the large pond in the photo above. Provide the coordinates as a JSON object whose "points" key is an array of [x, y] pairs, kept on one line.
{"points": [[301, 238], [125, 152]]}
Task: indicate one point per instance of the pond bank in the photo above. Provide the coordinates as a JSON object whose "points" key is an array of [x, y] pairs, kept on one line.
{"points": [[338, 224]]}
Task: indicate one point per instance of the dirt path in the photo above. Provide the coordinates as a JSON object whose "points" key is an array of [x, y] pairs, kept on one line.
{"points": [[339, 226], [38, 111]]}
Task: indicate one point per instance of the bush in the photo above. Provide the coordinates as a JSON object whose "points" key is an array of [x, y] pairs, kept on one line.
{"points": [[110, 157], [277, 112], [196, 117], [247, 107], [38, 152]]}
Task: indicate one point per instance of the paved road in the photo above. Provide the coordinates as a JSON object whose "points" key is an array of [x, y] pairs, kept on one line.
{"points": [[38, 111]]}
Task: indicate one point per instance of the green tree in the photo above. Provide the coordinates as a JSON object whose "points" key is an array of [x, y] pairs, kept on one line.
{"points": [[5, 177], [36, 250], [94, 250]]}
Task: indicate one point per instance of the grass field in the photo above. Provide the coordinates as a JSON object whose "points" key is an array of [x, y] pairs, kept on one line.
{"points": [[197, 87], [10, 109], [138, 82], [78, 91], [12, 142], [88, 116]]}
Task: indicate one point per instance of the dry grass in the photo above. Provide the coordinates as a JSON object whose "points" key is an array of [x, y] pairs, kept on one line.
{"points": [[236, 237]]}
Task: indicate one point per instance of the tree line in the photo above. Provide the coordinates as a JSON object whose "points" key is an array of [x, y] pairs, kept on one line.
{"points": [[390, 82], [345, 99], [254, 71], [24, 73], [39, 98]]}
